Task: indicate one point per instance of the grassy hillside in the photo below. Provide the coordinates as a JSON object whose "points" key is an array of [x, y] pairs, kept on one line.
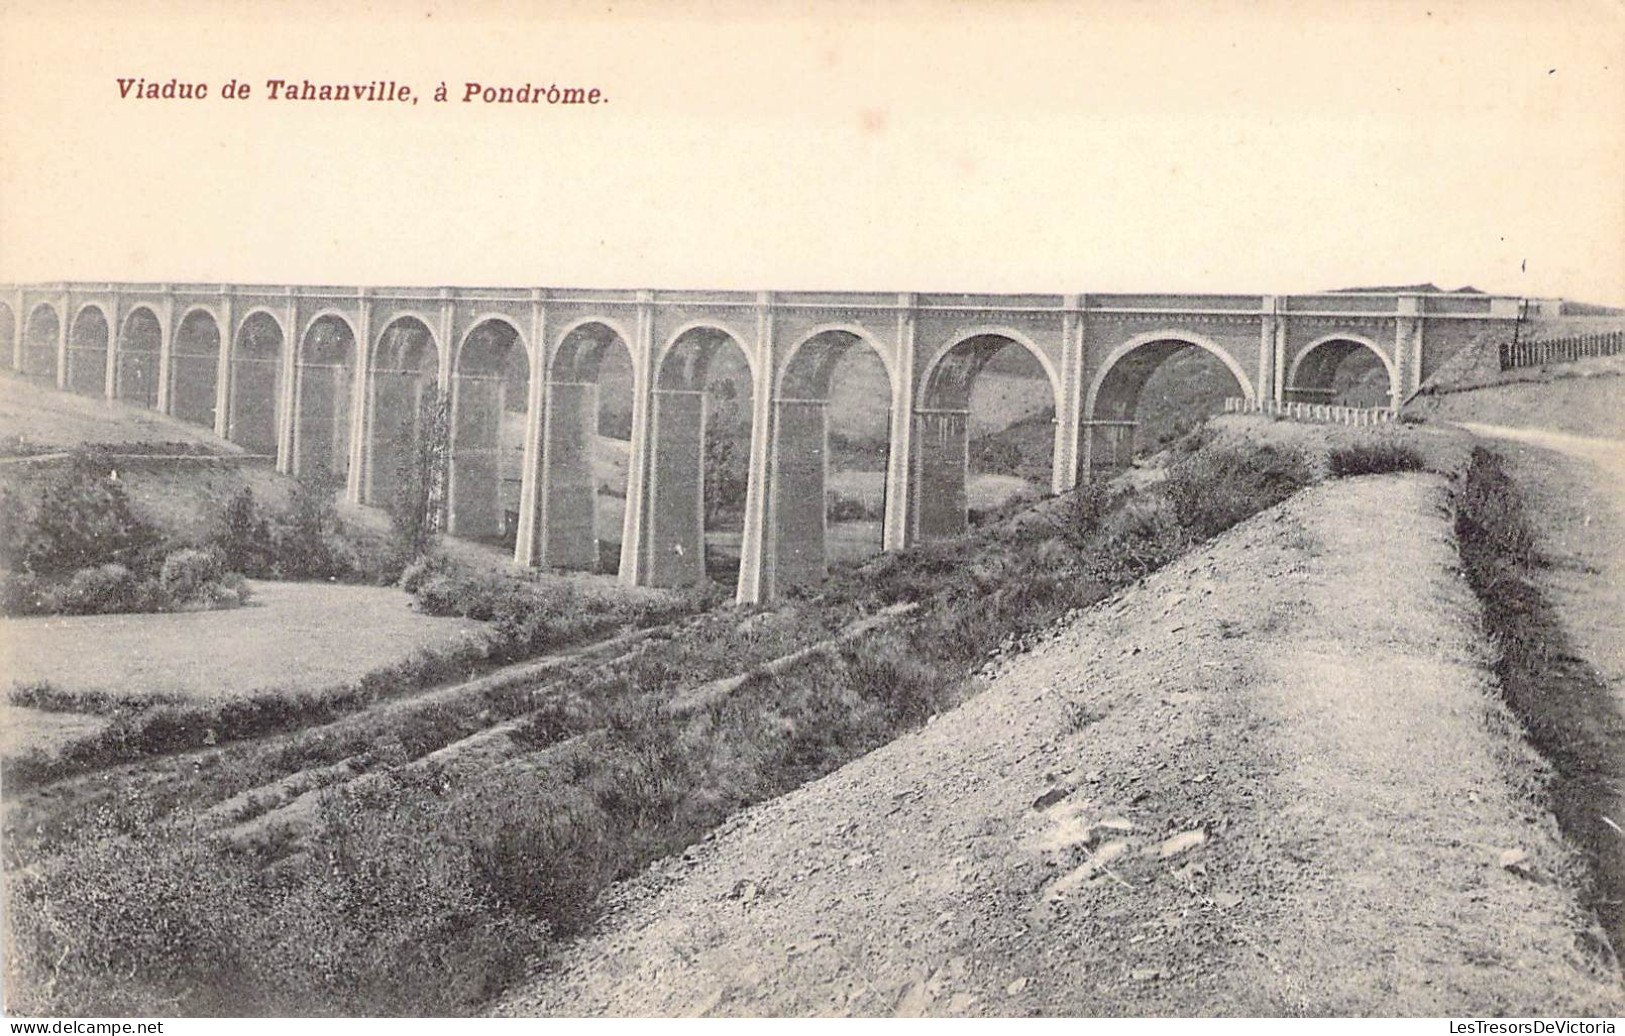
{"points": [[425, 851]]}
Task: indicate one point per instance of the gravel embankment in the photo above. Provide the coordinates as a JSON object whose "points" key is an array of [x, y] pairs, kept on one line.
{"points": [[1274, 778]]}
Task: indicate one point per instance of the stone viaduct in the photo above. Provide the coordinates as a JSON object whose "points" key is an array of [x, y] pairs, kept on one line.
{"points": [[303, 373]]}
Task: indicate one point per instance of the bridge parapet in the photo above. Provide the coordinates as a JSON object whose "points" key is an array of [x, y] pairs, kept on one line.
{"points": [[1318, 413]]}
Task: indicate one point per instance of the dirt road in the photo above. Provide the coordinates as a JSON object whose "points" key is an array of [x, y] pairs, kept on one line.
{"points": [[1574, 495], [1576, 488], [1274, 778]]}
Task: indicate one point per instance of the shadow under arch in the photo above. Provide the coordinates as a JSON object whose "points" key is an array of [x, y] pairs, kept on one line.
{"points": [[88, 342], [40, 335], [323, 389], [1112, 404], [586, 448], [136, 358], [1344, 369], [403, 404], [698, 472], [8, 336], [194, 367], [827, 499], [255, 373], [490, 402]]}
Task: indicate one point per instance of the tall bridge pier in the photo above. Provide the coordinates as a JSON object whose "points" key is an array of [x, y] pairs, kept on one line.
{"points": [[335, 378]]}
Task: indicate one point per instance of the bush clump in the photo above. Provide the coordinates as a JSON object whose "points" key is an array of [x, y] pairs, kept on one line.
{"points": [[80, 518], [98, 590], [307, 539], [78, 548], [532, 617], [423, 568], [1224, 482], [198, 578]]}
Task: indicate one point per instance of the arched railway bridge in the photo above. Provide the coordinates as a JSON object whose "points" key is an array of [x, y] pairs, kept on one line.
{"points": [[326, 376]]}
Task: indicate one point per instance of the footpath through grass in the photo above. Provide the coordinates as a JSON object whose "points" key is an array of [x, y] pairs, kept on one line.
{"points": [[428, 889]]}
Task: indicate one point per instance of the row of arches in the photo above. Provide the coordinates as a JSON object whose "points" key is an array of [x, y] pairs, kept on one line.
{"points": [[985, 419]]}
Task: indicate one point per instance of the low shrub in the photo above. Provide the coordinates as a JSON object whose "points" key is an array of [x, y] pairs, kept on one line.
{"points": [[434, 564], [1373, 458], [1140, 536], [531, 617], [22, 593], [187, 572], [104, 588], [48, 696], [482, 597], [243, 536], [1085, 507], [1224, 482], [135, 922]]}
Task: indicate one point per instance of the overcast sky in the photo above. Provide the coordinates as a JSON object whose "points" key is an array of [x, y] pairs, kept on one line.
{"points": [[943, 146]]}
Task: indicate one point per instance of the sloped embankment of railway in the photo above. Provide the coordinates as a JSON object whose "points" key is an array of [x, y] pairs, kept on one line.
{"points": [[1276, 777]]}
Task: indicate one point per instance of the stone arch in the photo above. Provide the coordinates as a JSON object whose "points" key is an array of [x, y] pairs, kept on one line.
{"points": [[688, 332], [1113, 399], [486, 319], [41, 334], [587, 446], [490, 400], [942, 464], [256, 383], [827, 497], [1311, 377], [136, 357], [854, 335], [323, 388], [565, 334], [700, 428], [962, 349], [88, 340], [194, 367], [8, 334], [403, 401]]}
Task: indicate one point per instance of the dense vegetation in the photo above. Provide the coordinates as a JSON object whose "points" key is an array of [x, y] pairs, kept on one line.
{"points": [[71, 542], [74, 546], [427, 889]]}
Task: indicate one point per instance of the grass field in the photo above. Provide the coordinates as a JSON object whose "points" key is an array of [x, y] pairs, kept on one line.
{"points": [[291, 635]]}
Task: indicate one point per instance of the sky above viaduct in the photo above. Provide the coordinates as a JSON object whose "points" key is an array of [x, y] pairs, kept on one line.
{"points": [[955, 145]]}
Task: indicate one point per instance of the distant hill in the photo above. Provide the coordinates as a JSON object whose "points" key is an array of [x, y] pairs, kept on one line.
{"points": [[1428, 288]]}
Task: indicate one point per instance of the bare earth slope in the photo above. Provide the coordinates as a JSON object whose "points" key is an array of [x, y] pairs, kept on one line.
{"points": [[1272, 779]]}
